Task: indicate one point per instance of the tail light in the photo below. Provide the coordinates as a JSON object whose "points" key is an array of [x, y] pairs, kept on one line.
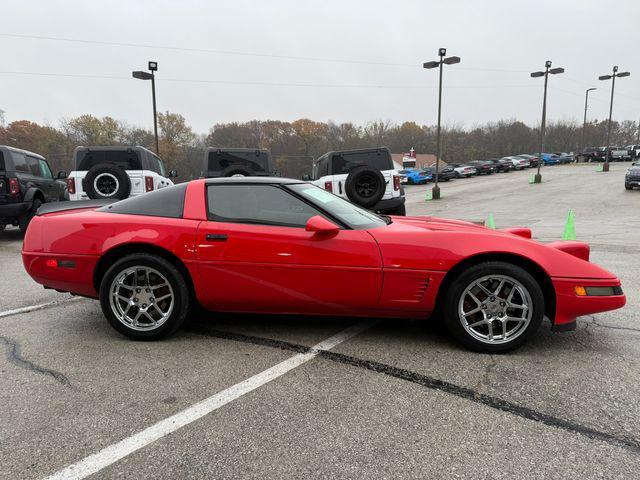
{"points": [[14, 186], [148, 184], [71, 186], [328, 186], [396, 182]]}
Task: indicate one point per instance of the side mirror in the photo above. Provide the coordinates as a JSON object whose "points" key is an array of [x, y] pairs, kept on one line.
{"points": [[321, 226], [61, 175], [306, 178], [173, 174]]}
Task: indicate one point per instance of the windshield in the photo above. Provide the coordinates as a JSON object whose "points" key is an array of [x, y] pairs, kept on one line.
{"points": [[354, 216]]}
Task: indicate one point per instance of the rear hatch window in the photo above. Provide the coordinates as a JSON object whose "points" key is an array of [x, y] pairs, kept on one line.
{"points": [[128, 160], [345, 162], [256, 161]]}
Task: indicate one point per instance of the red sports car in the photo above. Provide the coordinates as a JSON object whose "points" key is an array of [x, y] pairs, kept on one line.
{"points": [[273, 245]]}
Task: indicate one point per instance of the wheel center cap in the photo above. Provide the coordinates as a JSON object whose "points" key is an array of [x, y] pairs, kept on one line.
{"points": [[494, 308]]}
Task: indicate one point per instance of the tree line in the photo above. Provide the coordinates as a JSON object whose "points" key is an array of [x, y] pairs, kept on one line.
{"points": [[294, 145]]}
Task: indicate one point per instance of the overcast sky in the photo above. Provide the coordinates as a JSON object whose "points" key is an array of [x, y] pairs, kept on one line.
{"points": [[383, 43]]}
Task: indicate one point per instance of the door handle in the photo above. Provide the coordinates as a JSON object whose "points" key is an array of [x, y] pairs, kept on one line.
{"points": [[216, 237]]}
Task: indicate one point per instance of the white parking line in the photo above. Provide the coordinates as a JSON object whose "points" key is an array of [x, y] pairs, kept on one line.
{"points": [[111, 454], [40, 306]]}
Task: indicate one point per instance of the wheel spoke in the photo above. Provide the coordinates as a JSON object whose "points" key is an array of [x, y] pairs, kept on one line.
{"points": [[159, 299], [490, 327], [471, 312], [484, 289], [474, 298], [478, 323], [500, 285]]}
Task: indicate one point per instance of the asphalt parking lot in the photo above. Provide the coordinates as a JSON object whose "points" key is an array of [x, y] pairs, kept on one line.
{"points": [[383, 399]]}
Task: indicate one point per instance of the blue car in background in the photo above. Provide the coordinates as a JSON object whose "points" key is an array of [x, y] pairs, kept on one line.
{"points": [[550, 159], [414, 176]]}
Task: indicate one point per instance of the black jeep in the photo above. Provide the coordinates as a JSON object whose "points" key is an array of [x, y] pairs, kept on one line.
{"points": [[26, 182], [237, 162]]}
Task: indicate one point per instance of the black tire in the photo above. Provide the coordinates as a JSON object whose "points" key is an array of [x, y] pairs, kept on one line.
{"points": [[2, 226], [457, 175], [112, 182], [175, 280], [236, 170], [628, 187], [365, 186], [25, 220], [453, 295]]}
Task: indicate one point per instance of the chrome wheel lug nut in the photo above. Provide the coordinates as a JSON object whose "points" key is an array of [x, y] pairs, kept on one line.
{"points": [[151, 300], [138, 290], [135, 300], [144, 305], [147, 290]]}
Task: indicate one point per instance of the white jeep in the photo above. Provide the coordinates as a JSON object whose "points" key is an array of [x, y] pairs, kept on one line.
{"points": [[366, 177], [115, 173]]}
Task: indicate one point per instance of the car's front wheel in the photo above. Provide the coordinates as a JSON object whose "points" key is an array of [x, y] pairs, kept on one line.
{"points": [[493, 307], [144, 297]]}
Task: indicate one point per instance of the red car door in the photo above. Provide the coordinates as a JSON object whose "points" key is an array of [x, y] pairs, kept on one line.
{"points": [[254, 255]]}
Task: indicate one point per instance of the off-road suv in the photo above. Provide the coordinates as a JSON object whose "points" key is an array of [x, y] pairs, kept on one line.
{"points": [[237, 162], [26, 182], [367, 177], [116, 173]]}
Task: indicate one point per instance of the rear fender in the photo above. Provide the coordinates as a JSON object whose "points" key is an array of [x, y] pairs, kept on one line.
{"points": [[31, 193]]}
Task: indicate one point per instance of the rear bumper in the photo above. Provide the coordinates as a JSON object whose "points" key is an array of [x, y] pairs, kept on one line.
{"points": [[388, 204], [569, 305], [75, 277], [14, 210]]}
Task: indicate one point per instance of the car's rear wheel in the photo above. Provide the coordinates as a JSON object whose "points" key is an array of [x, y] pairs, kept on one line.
{"points": [[493, 307], [144, 297]]}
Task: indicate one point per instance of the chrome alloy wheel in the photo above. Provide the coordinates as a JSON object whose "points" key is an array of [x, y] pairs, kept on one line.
{"points": [[495, 309], [106, 184], [141, 298]]}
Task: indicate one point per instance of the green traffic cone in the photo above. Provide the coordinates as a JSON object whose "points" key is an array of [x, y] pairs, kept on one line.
{"points": [[569, 228], [428, 195], [490, 223], [600, 168]]}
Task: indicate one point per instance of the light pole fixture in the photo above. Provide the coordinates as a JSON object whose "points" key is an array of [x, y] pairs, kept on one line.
{"points": [[605, 167], [448, 61], [142, 75], [548, 70], [584, 122]]}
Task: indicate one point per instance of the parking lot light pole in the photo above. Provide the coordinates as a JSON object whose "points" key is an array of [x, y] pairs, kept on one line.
{"points": [[449, 61], [584, 122], [605, 167], [548, 70], [141, 75]]}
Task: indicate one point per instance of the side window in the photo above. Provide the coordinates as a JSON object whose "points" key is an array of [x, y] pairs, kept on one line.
{"points": [[34, 166], [156, 165], [20, 162], [345, 162], [321, 168], [45, 171], [257, 204]]}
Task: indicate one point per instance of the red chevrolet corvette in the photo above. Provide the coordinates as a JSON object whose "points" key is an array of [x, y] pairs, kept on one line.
{"points": [[274, 245]]}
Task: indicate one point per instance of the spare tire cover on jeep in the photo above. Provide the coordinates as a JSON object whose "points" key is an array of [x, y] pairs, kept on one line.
{"points": [[236, 171], [365, 186], [107, 181]]}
